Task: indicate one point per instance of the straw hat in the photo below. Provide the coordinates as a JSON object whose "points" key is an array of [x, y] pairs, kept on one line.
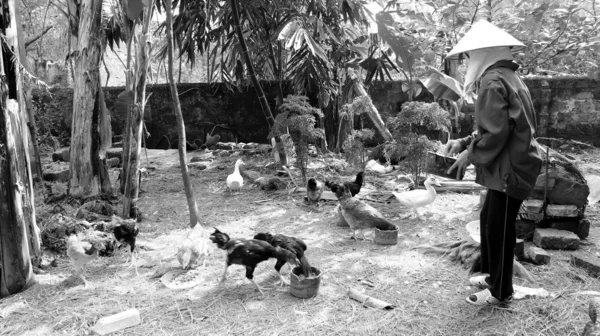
{"points": [[483, 34]]}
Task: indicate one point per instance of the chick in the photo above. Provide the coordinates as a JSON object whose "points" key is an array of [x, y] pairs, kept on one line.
{"points": [[81, 253], [593, 328], [314, 190], [192, 248]]}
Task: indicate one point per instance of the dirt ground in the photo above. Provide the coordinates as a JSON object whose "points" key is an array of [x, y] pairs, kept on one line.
{"points": [[428, 291]]}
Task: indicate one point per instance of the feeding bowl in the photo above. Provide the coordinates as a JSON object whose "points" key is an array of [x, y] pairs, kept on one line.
{"points": [[385, 237], [439, 164], [305, 288], [473, 229]]}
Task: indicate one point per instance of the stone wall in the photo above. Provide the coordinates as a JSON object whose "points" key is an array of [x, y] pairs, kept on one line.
{"points": [[566, 107]]}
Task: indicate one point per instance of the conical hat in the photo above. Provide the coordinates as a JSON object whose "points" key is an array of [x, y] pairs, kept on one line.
{"points": [[484, 35]]}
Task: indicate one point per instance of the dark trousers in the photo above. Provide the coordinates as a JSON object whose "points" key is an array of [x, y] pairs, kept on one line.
{"points": [[498, 236]]}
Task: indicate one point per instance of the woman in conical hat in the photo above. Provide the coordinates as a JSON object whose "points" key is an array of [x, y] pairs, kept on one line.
{"points": [[503, 149]]}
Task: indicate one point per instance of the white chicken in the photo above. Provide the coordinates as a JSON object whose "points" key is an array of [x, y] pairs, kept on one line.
{"points": [[194, 246], [415, 199], [235, 181]]}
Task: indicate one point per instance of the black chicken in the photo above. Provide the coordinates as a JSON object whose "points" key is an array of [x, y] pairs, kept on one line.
{"points": [[354, 187], [249, 253], [126, 231], [292, 244]]}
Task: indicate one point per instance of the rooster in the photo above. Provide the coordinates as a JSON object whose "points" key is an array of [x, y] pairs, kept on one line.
{"points": [[249, 253], [314, 190], [292, 244], [126, 232], [81, 253], [358, 214], [354, 187]]}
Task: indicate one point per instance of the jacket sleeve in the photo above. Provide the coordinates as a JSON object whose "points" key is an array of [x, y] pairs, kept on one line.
{"points": [[466, 141], [491, 115]]}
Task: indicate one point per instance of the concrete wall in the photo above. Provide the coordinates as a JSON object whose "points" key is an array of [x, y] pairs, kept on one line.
{"points": [[566, 107]]}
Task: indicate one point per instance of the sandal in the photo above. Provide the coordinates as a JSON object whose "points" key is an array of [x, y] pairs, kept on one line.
{"points": [[480, 281], [484, 298]]}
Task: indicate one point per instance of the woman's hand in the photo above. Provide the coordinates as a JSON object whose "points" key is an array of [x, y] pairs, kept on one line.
{"points": [[461, 164], [452, 147]]}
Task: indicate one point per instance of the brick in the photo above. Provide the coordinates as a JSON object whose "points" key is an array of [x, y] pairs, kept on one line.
{"points": [[555, 239], [560, 210], [579, 227], [586, 261], [62, 154], [57, 175], [113, 162], [525, 229], [535, 254], [114, 152]]}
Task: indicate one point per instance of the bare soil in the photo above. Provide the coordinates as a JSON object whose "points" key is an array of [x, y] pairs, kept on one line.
{"points": [[428, 291]]}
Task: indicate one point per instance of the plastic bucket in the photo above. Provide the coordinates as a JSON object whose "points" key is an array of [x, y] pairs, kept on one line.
{"points": [[306, 287]]}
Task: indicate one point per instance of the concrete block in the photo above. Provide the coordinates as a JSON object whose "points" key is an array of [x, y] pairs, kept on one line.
{"points": [[555, 239], [560, 210], [586, 261], [525, 229], [579, 227], [536, 255]]}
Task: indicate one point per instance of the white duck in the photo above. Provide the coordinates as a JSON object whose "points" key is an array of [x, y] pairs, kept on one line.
{"points": [[415, 199], [235, 181]]}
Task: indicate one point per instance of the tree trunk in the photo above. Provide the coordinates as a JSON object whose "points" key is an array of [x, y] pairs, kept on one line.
{"points": [[89, 138], [264, 104], [189, 193], [132, 178], [129, 103], [16, 200], [373, 114]]}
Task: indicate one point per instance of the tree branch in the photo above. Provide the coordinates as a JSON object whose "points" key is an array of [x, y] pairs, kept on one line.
{"points": [[35, 38]]}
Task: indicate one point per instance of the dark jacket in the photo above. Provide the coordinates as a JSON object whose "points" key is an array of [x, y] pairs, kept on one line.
{"points": [[503, 149]]}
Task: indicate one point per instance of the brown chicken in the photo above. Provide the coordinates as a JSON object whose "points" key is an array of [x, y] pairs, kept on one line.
{"points": [[359, 215], [81, 253]]}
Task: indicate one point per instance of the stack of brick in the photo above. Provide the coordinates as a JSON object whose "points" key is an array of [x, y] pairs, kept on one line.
{"points": [[553, 218]]}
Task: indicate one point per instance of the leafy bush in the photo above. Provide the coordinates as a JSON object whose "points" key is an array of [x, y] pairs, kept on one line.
{"points": [[410, 129], [297, 116]]}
